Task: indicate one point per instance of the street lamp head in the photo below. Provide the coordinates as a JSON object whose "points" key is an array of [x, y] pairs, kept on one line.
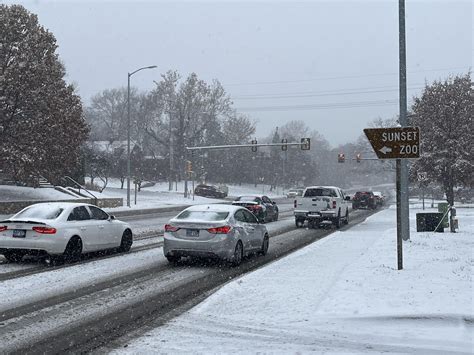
{"points": [[152, 67]]}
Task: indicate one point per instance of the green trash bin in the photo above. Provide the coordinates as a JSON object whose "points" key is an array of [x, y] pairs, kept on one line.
{"points": [[443, 208]]}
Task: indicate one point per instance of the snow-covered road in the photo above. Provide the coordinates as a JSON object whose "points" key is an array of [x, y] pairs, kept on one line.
{"points": [[341, 294]]}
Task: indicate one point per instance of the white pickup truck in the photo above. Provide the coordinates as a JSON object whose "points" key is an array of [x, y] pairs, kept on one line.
{"points": [[322, 203]]}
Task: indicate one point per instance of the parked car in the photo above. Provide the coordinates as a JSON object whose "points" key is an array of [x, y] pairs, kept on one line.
{"points": [[364, 199], [223, 231], [62, 230], [209, 191], [261, 206], [322, 203], [379, 198], [294, 192]]}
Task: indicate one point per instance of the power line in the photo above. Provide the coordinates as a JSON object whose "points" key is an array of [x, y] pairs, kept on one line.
{"points": [[314, 94], [338, 77], [334, 105]]}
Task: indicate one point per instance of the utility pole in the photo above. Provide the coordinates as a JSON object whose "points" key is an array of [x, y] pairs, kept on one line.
{"points": [[402, 165]]}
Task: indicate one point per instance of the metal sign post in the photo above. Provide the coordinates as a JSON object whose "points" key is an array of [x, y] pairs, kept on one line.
{"points": [[398, 143]]}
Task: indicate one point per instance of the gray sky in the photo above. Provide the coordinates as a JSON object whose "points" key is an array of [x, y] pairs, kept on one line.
{"points": [[333, 64]]}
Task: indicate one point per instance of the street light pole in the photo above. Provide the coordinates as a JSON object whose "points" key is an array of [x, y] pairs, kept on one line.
{"points": [[128, 129]]}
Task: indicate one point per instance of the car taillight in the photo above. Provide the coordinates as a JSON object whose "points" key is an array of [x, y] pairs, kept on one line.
{"points": [[44, 230], [3, 228], [294, 204], [220, 230], [333, 204], [170, 228], [255, 207]]}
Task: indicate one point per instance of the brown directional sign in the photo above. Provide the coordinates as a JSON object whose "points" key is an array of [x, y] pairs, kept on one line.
{"points": [[395, 142]]}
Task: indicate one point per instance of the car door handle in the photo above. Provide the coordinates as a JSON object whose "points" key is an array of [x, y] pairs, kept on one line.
{"points": [[251, 228], [83, 228], [101, 227]]}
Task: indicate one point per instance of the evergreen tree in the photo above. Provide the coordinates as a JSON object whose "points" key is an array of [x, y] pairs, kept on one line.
{"points": [[40, 115]]}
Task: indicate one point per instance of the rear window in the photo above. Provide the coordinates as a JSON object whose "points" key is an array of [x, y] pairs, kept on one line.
{"points": [[207, 216], [41, 212], [248, 198], [320, 192]]}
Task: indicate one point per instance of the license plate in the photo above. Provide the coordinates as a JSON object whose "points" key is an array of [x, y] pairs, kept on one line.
{"points": [[192, 233], [19, 233]]}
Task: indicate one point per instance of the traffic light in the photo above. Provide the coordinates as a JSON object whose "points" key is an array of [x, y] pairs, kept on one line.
{"points": [[284, 146], [358, 157], [189, 166], [254, 149], [341, 158], [305, 143]]}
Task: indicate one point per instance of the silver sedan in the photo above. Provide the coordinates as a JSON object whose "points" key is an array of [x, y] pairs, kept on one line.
{"points": [[223, 231]]}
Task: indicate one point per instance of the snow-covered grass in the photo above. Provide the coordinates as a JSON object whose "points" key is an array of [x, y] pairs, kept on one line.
{"points": [[342, 294], [21, 193], [158, 195]]}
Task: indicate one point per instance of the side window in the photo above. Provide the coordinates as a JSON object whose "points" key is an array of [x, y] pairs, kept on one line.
{"points": [[239, 216], [250, 218], [79, 214], [266, 199], [97, 213]]}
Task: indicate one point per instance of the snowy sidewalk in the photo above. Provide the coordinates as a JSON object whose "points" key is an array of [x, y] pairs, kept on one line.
{"points": [[341, 294]]}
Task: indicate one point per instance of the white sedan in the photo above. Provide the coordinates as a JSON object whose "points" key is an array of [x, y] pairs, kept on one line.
{"points": [[62, 230]]}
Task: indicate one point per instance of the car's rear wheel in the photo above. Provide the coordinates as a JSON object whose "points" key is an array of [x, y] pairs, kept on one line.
{"points": [[173, 259], [265, 244], [238, 254], [346, 220], [73, 250], [127, 241], [337, 220], [13, 256], [275, 218], [299, 222]]}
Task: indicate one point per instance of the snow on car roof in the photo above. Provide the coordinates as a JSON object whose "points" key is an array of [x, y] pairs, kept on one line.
{"points": [[61, 204], [214, 207], [323, 187]]}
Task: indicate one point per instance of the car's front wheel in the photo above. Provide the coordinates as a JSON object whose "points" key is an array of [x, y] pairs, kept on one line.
{"points": [[73, 250], [127, 241]]}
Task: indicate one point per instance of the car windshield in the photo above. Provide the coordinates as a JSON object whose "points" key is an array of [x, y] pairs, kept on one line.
{"points": [[40, 212], [320, 192], [207, 216]]}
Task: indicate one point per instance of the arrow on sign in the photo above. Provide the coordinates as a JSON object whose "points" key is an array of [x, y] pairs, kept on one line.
{"points": [[385, 150]]}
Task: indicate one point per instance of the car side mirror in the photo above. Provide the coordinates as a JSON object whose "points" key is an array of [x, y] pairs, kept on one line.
{"points": [[347, 198], [111, 217], [273, 203]]}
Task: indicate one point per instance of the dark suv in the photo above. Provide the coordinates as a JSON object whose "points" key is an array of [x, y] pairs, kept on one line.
{"points": [[209, 191], [364, 199]]}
